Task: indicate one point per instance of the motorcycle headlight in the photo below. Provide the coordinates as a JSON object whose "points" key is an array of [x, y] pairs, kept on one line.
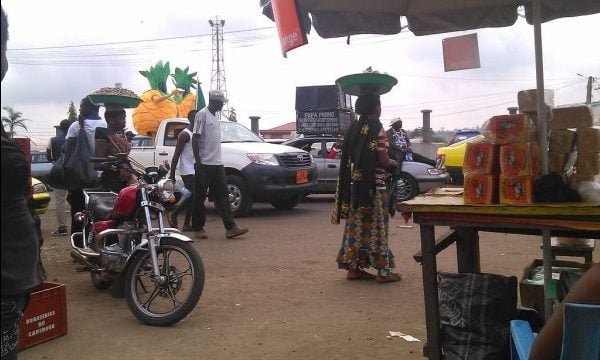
{"points": [[166, 189], [263, 159]]}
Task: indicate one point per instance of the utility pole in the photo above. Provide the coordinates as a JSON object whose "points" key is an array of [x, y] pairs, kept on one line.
{"points": [[590, 81], [217, 79]]}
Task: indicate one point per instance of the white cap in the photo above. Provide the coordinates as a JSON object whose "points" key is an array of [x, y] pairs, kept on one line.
{"points": [[217, 95]]}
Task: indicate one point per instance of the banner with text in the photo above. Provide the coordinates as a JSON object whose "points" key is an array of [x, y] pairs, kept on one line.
{"points": [[322, 122], [288, 24]]}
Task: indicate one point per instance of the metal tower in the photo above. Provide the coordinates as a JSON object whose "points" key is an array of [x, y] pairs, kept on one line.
{"points": [[217, 78]]}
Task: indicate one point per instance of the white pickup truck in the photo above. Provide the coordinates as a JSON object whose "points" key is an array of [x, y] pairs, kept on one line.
{"points": [[256, 171]]}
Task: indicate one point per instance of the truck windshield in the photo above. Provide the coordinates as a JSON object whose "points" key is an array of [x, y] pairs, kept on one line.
{"points": [[234, 132]]}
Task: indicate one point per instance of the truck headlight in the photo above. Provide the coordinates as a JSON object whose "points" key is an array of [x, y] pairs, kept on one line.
{"points": [[263, 159]]}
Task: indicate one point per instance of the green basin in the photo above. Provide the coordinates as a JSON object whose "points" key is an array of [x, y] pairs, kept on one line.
{"points": [[366, 83], [125, 101]]}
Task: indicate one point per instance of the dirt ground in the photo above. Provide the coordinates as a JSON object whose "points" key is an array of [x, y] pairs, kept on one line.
{"points": [[275, 293]]}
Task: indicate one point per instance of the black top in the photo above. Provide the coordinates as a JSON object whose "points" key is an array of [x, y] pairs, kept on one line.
{"points": [[21, 234]]}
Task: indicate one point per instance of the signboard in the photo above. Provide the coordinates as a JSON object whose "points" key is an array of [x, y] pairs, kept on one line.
{"points": [[288, 24], [322, 122], [461, 52]]}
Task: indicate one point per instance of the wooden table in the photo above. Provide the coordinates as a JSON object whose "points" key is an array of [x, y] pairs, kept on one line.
{"points": [[429, 211]]}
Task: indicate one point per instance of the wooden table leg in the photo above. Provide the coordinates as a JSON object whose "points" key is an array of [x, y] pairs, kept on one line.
{"points": [[430, 288], [467, 250]]}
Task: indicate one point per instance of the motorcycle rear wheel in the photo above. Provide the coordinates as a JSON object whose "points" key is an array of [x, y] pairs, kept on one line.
{"points": [[164, 305]]}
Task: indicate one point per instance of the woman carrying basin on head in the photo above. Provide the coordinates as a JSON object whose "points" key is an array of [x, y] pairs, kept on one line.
{"points": [[362, 198]]}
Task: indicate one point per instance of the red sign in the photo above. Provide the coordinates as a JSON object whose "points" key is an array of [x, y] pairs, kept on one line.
{"points": [[288, 24], [461, 52]]}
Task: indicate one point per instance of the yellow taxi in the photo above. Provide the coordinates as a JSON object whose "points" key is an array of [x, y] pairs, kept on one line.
{"points": [[451, 158], [41, 196]]}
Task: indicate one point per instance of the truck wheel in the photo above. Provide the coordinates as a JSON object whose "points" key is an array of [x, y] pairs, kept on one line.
{"points": [[289, 202], [239, 197]]}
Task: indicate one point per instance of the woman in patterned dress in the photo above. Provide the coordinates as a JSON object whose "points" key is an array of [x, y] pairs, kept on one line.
{"points": [[362, 198]]}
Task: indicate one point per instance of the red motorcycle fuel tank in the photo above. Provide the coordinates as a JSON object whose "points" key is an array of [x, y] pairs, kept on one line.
{"points": [[126, 203]]}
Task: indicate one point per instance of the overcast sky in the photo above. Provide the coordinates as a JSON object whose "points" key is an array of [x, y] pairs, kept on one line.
{"points": [[62, 50]]}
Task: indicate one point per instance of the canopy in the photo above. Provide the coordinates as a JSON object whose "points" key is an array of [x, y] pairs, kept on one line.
{"points": [[337, 18]]}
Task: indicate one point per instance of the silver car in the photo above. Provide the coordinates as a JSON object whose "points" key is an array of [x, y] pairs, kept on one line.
{"points": [[40, 165], [415, 178]]}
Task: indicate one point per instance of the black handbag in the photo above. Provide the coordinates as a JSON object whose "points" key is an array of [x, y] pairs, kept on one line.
{"points": [[73, 169]]}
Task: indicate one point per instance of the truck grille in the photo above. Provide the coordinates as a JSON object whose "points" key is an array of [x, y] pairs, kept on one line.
{"points": [[295, 160]]}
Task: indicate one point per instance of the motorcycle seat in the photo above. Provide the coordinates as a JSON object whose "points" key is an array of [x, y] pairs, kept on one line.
{"points": [[101, 205]]}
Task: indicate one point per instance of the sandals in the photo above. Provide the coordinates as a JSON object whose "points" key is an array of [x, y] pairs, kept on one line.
{"points": [[388, 279], [359, 275]]}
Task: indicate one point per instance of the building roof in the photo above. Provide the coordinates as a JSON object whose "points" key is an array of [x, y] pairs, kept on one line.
{"points": [[285, 128]]}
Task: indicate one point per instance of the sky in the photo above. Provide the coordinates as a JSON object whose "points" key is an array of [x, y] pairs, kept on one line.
{"points": [[59, 51]]}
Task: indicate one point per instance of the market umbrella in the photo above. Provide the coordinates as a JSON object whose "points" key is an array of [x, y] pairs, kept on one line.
{"points": [[340, 18]]}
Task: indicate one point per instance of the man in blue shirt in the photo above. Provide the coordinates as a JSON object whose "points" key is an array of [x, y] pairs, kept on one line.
{"points": [[53, 152]]}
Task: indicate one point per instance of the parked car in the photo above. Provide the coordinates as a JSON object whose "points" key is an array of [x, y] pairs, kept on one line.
{"points": [[415, 177], [452, 157], [142, 141], [41, 196], [460, 135], [40, 165]]}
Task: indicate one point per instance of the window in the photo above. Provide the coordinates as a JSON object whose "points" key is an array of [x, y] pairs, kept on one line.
{"points": [[172, 131]]}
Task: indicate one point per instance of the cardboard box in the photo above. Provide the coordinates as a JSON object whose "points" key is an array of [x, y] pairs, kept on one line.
{"points": [[556, 162], [532, 294], [480, 189], [508, 129], [561, 141], [481, 158], [588, 163], [520, 159], [527, 99], [516, 189], [45, 317], [569, 117], [588, 140]]}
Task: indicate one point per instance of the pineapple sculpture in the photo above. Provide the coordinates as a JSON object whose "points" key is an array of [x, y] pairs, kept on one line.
{"points": [[156, 103], [184, 82]]}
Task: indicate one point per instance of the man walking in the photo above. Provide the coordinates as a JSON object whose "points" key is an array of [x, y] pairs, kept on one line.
{"points": [[210, 172], [53, 152], [184, 158]]}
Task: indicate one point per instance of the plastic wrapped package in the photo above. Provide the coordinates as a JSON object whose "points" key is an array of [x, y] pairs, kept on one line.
{"points": [[588, 163], [527, 100], [520, 159], [561, 140], [481, 158], [516, 189], [480, 189], [568, 117], [588, 139]]}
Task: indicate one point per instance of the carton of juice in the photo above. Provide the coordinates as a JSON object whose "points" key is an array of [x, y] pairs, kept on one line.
{"points": [[520, 159], [481, 158], [516, 189], [508, 129], [480, 189]]}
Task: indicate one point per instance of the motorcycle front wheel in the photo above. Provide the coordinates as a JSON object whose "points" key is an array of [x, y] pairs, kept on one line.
{"points": [[165, 302]]}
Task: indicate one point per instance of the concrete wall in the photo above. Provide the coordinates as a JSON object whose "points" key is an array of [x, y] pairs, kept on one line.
{"points": [[428, 150]]}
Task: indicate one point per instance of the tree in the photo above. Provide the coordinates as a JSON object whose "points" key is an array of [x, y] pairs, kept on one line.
{"points": [[72, 113], [13, 120]]}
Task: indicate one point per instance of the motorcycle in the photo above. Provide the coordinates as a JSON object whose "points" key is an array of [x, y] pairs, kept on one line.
{"points": [[126, 246]]}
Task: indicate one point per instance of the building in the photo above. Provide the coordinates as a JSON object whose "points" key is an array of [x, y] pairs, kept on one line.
{"points": [[285, 131]]}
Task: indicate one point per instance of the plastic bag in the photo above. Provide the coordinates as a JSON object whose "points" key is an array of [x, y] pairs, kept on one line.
{"points": [[475, 315], [73, 169]]}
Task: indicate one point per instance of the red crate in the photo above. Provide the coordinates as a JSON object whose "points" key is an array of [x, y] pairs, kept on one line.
{"points": [[45, 317]]}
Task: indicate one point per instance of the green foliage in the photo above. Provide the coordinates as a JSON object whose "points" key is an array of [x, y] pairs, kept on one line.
{"points": [[13, 120], [157, 76], [182, 80]]}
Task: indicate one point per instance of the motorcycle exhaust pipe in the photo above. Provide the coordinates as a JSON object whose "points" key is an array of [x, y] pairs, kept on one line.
{"points": [[82, 259]]}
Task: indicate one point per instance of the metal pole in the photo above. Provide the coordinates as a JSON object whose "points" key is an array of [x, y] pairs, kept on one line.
{"points": [[543, 141]]}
